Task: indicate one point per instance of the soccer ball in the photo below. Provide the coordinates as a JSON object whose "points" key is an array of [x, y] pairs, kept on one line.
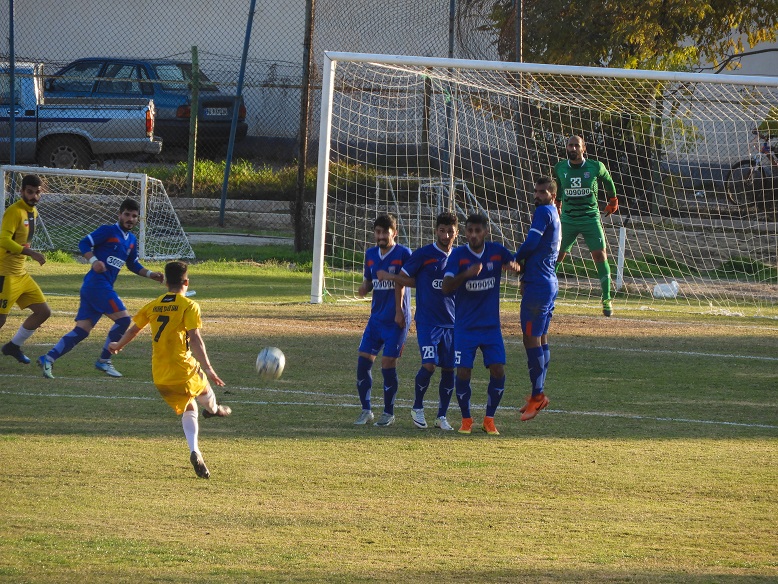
{"points": [[270, 363]]}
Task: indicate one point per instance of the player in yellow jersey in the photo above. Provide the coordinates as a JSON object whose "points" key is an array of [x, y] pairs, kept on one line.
{"points": [[16, 285], [179, 361]]}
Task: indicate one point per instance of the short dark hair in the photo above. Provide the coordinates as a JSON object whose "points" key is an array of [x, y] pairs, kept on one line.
{"points": [[547, 180], [175, 273], [478, 219], [447, 218], [129, 205], [31, 180], [387, 221]]}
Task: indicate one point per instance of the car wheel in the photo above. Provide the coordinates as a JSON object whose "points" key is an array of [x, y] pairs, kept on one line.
{"points": [[64, 152]]}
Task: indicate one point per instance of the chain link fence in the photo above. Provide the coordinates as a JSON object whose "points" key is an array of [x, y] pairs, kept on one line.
{"points": [[116, 56]]}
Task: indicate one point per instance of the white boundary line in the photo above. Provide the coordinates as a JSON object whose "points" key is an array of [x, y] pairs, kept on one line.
{"points": [[355, 405]]}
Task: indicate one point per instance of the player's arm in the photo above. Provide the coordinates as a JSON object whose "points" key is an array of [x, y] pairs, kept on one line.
{"points": [[401, 278], [610, 188], [365, 287], [126, 339], [399, 299], [452, 282], [86, 246], [137, 268], [7, 242], [197, 346]]}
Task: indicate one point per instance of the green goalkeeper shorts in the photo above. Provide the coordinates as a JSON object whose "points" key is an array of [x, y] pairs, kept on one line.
{"points": [[591, 230]]}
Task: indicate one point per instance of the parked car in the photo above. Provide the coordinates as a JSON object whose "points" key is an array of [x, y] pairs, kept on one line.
{"points": [[69, 133], [167, 82]]}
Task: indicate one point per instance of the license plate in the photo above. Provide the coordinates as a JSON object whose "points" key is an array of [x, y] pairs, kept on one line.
{"points": [[216, 111]]}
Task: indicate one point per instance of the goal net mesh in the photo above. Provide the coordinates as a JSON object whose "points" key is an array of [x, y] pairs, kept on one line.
{"points": [[76, 202], [425, 136]]}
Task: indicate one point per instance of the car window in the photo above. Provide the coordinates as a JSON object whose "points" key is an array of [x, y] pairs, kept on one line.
{"points": [[5, 89], [78, 78], [178, 77], [120, 79]]}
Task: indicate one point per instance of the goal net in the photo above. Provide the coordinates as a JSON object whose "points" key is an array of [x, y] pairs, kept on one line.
{"points": [[416, 136], [76, 202]]}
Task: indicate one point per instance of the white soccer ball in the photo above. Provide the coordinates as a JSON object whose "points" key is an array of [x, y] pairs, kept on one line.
{"points": [[270, 363]]}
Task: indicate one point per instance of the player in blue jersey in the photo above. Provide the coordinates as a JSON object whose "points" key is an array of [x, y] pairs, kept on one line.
{"points": [[390, 318], [434, 317], [474, 271], [539, 288], [107, 249]]}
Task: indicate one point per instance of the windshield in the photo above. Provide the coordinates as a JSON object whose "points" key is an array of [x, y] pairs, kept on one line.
{"points": [[178, 77]]}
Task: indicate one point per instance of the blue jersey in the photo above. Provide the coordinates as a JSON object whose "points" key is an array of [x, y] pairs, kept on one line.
{"points": [[114, 247], [540, 250], [427, 265], [383, 307], [478, 299]]}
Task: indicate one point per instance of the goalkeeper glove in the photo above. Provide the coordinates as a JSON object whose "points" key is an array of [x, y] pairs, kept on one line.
{"points": [[612, 206]]}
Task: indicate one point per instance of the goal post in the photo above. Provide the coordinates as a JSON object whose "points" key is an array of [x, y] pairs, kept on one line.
{"points": [[76, 202], [417, 135]]}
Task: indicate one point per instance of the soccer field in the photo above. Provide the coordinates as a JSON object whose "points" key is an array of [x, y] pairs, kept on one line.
{"points": [[654, 462]]}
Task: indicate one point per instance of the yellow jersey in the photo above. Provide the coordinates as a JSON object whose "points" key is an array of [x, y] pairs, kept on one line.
{"points": [[16, 232], [171, 317]]}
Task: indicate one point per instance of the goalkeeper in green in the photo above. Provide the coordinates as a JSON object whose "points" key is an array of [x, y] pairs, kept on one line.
{"points": [[578, 179]]}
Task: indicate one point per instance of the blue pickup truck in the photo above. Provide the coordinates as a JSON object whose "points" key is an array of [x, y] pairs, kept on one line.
{"points": [[69, 133], [167, 82]]}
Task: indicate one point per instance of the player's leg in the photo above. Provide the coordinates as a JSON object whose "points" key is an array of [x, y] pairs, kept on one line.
{"points": [[394, 341], [26, 293], [569, 234], [112, 306], [465, 347], [595, 241], [494, 359], [429, 359], [64, 345], [534, 324], [181, 397], [368, 349], [207, 399], [447, 380]]}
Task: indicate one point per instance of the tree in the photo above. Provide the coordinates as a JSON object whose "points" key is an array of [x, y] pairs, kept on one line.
{"points": [[651, 34]]}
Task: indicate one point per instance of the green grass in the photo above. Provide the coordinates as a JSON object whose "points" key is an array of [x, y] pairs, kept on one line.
{"points": [[655, 461]]}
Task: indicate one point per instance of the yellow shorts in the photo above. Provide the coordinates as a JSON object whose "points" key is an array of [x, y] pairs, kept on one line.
{"points": [[21, 290], [180, 395]]}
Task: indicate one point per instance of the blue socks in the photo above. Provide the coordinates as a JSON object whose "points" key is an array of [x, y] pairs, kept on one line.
{"points": [[391, 384], [494, 394], [364, 380], [464, 392], [422, 383], [118, 329], [536, 364], [66, 343], [445, 389], [546, 361]]}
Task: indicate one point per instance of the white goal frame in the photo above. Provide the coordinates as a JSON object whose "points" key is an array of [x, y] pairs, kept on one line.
{"points": [[621, 248], [159, 231]]}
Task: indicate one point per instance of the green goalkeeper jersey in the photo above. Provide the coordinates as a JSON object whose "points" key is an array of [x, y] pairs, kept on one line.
{"points": [[577, 188]]}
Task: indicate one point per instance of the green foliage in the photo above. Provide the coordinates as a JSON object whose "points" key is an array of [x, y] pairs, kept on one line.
{"points": [[747, 269], [61, 257], [247, 180], [653, 34], [282, 254]]}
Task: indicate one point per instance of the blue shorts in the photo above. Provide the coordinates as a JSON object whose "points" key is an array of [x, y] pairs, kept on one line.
{"points": [[95, 302], [488, 340], [436, 345], [389, 336], [536, 312]]}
